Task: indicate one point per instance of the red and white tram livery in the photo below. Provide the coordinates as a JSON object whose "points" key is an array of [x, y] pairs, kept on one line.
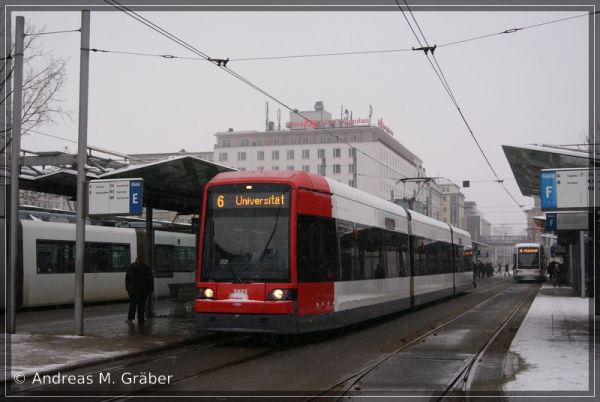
{"points": [[292, 252]]}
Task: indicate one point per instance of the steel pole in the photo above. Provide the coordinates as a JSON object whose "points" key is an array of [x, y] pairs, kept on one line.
{"points": [[81, 162], [15, 168], [582, 258]]}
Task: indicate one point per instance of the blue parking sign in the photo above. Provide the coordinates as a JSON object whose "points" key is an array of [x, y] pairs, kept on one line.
{"points": [[548, 189]]}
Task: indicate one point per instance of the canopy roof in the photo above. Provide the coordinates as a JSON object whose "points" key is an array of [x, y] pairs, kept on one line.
{"points": [[526, 161], [173, 184]]}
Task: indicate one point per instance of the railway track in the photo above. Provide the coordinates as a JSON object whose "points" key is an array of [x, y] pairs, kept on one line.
{"points": [[457, 385]]}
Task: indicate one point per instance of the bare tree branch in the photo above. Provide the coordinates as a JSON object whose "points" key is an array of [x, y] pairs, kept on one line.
{"points": [[43, 80]]}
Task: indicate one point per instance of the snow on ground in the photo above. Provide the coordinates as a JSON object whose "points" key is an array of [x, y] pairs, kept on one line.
{"points": [[54, 352], [553, 343]]}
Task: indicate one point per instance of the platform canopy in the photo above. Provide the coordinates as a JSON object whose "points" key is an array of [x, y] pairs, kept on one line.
{"points": [[526, 161], [172, 184]]}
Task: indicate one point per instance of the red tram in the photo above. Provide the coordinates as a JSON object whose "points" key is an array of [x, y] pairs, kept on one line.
{"points": [[292, 252]]}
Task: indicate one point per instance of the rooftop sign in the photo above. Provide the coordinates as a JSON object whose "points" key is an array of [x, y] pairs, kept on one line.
{"points": [[312, 124]]}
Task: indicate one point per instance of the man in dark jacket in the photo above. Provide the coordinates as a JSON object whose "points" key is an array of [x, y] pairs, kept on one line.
{"points": [[139, 284]]}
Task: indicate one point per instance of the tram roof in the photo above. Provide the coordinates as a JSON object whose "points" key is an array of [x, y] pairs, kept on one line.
{"points": [[173, 184]]}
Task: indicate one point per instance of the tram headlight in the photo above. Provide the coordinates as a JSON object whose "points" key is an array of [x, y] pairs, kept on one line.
{"points": [[207, 293], [277, 294], [281, 294]]}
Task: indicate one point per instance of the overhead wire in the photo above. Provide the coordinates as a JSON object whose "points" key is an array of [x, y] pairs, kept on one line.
{"points": [[439, 73], [228, 70], [346, 53], [450, 94]]}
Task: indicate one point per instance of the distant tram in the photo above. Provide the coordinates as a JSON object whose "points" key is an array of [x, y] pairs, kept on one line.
{"points": [[529, 262], [292, 252]]}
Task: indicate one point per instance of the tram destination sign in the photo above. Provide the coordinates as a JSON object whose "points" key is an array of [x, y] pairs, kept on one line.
{"points": [[115, 197], [250, 200]]}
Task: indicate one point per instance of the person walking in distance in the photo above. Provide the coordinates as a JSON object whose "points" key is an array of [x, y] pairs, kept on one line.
{"points": [[139, 284]]}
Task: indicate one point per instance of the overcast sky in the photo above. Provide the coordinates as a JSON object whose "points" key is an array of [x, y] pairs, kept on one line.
{"points": [[531, 86]]}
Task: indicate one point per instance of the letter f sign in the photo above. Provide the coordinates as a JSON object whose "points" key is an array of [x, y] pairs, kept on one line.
{"points": [[548, 191]]}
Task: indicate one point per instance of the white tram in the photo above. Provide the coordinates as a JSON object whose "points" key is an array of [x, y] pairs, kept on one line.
{"points": [[529, 262], [46, 262]]}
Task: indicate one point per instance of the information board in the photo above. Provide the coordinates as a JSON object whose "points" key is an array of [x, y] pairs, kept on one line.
{"points": [[115, 197], [568, 189]]}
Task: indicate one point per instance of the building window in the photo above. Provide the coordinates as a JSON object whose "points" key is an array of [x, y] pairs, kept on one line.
{"points": [[242, 169], [305, 140], [354, 138], [290, 167], [305, 154], [226, 142], [245, 142], [259, 143], [275, 155], [352, 152], [260, 155], [321, 153], [321, 170], [241, 156], [337, 152], [351, 183], [337, 169], [275, 168], [305, 168], [223, 157], [290, 154], [350, 168], [260, 168]]}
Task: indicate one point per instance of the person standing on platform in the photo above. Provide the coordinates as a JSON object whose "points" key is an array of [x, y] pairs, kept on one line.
{"points": [[552, 270], [139, 284]]}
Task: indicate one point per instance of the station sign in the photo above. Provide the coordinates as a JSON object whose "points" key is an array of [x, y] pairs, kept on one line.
{"points": [[568, 189], [115, 197], [558, 221]]}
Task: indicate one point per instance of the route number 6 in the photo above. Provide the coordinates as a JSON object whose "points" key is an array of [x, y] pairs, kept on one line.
{"points": [[220, 201]]}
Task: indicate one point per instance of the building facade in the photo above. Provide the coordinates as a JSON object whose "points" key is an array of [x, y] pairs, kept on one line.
{"points": [[477, 225], [452, 204], [365, 157]]}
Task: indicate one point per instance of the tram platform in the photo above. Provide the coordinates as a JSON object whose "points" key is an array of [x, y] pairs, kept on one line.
{"points": [[552, 350], [45, 340]]}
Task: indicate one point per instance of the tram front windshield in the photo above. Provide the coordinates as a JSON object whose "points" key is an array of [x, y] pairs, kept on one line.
{"points": [[246, 234], [529, 258]]}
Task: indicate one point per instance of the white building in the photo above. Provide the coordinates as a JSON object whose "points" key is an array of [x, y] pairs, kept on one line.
{"points": [[348, 150]]}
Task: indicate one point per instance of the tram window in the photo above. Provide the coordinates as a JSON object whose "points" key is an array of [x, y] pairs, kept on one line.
{"points": [[185, 259], [432, 257], [163, 261], [404, 260], [419, 247], [392, 261], [107, 257], [350, 264], [55, 257], [316, 249], [59, 257], [371, 253]]}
